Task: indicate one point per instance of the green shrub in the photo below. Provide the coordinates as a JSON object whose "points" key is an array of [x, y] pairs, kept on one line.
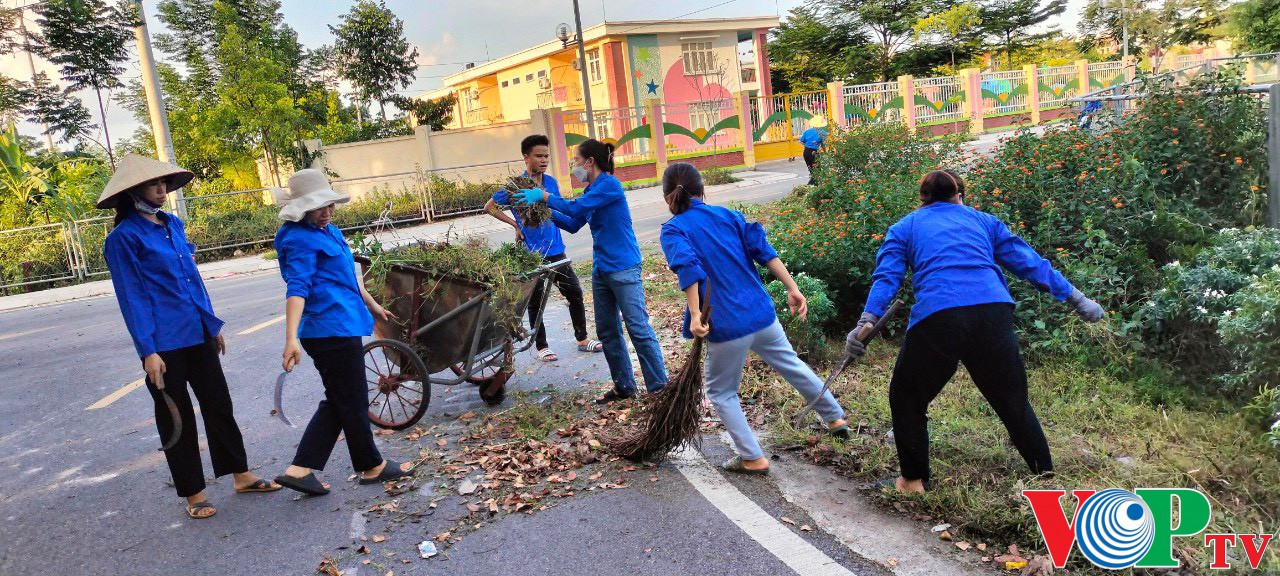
{"points": [[716, 176], [867, 180], [807, 336], [454, 196]]}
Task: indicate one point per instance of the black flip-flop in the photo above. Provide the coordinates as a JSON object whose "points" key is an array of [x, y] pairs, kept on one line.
{"points": [[389, 472], [309, 484], [259, 485]]}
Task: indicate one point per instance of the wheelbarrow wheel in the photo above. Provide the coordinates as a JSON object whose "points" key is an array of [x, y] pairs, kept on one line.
{"points": [[399, 384], [488, 372], [495, 391]]}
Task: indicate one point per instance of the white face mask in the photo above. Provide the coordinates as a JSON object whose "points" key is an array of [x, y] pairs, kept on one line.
{"points": [[144, 206], [580, 173]]}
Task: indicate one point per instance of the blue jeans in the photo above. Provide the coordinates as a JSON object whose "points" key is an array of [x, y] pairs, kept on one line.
{"points": [[619, 296], [725, 361]]}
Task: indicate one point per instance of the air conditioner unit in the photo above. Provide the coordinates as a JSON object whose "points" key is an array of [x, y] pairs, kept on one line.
{"points": [[577, 64], [473, 95], [544, 83]]}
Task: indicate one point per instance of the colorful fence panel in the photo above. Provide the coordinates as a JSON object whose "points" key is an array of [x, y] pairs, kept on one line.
{"points": [[628, 129], [1004, 93], [938, 100], [873, 103], [1106, 74], [694, 128], [1057, 84]]}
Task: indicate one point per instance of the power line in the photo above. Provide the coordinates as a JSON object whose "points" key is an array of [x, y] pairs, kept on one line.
{"points": [[680, 16]]}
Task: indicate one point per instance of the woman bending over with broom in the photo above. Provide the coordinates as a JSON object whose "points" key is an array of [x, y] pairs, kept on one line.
{"points": [[717, 245], [963, 313]]}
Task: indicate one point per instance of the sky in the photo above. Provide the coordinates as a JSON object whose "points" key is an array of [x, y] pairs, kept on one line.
{"points": [[450, 33]]}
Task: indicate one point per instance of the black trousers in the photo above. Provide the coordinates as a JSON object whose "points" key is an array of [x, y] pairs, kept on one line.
{"points": [[811, 158], [567, 282], [345, 408], [982, 338], [199, 367]]}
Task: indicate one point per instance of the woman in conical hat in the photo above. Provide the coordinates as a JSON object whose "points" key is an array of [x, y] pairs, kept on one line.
{"points": [[327, 313], [170, 318]]}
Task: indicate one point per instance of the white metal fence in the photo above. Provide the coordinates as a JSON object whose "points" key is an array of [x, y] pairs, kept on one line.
{"points": [[939, 99], [873, 103]]}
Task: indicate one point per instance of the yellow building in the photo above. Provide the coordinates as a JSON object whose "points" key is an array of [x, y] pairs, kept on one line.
{"points": [[676, 61]]}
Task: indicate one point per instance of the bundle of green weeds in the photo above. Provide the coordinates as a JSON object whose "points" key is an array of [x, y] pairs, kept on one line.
{"points": [[531, 215]]}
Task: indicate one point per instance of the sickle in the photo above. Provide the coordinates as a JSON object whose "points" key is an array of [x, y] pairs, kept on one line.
{"points": [[868, 333], [175, 418], [279, 398]]}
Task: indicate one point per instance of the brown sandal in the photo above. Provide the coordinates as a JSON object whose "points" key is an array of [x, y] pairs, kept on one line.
{"points": [[193, 510]]}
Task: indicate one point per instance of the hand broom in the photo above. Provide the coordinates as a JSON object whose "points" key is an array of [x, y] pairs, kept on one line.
{"points": [[668, 419]]}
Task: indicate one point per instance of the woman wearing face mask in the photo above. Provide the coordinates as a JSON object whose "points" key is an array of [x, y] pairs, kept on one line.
{"points": [[170, 318], [717, 245], [327, 312], [615, 276], [963, 314]]}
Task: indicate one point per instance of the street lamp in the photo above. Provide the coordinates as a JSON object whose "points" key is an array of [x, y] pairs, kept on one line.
{"points": [[562, 32]]}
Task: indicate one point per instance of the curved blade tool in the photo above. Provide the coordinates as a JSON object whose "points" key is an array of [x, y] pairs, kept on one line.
{"points": [[175, 418], [278, 411]]}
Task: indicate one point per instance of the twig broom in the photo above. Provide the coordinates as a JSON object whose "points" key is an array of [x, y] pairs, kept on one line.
{"points": [[670, 418]]}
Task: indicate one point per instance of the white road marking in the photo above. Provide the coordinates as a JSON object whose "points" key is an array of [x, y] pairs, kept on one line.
{"points": [[268, 323], [110, 399], [802, 557]]}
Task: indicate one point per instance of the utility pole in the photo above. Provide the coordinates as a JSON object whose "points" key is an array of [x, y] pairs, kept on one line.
{"points": [[1124, 33], [31, 67], [155, 102], [582, 65]]}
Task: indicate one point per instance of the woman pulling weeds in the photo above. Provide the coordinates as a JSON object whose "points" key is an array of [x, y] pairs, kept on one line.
{"points": [[705, 242], [963, 314], [170, 318], [327, 312]]}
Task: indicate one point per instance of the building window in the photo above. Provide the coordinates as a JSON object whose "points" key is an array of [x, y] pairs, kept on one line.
{"points": [[542, 73], [593, 66], [528, 77], [705, 115], [515, 80], [602, 125], [504, 83], [698, 57]]}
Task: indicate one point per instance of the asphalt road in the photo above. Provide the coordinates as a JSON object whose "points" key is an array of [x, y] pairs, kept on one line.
{"points": [[84, 491]]}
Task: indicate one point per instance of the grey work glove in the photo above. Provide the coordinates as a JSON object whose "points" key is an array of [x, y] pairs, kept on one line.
{"points": [[853, 347], [1089, 310]]}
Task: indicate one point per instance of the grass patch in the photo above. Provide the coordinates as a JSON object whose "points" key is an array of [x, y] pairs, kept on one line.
{"points": [[1105, 431]]}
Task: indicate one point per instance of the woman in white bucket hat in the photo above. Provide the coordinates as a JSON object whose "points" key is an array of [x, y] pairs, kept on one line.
{"points": [[327, 313], [170, 318]]}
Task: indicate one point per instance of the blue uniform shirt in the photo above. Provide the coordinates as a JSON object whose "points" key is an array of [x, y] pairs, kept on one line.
{"points": [[603, 205], [813, 138], [316, 264], [955, 254], [163, 300], [710, 242], [545, 239]]}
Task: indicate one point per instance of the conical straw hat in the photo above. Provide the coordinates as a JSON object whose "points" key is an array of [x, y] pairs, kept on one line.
{"points": [[135, 170]]}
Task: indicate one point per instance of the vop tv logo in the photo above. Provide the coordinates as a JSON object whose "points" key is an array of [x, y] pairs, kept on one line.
{"points": [[1117, 529]]}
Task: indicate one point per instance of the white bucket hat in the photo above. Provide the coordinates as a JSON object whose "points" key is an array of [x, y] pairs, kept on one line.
{"points": [[134, 171], [818, 121], [309, 190]]}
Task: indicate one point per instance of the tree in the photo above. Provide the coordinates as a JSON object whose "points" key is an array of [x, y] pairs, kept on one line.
{"points": [[1010, 22], [806, 52], [44, 102], [88, 40], [887, 22], [373, 53], [951, 26], [1151, 26], [1257, 24], [434, 113]]}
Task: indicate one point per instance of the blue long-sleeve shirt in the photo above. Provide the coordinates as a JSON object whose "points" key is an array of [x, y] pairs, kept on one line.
{"points": [[545, 239], [317, 265], [813, 138], [710, 242], [162, 298], [955, 254], [603, 205]]}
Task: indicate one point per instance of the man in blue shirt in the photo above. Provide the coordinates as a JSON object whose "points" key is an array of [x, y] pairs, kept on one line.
{"points": [[963, 314], [545, 241], [812, 139]]}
